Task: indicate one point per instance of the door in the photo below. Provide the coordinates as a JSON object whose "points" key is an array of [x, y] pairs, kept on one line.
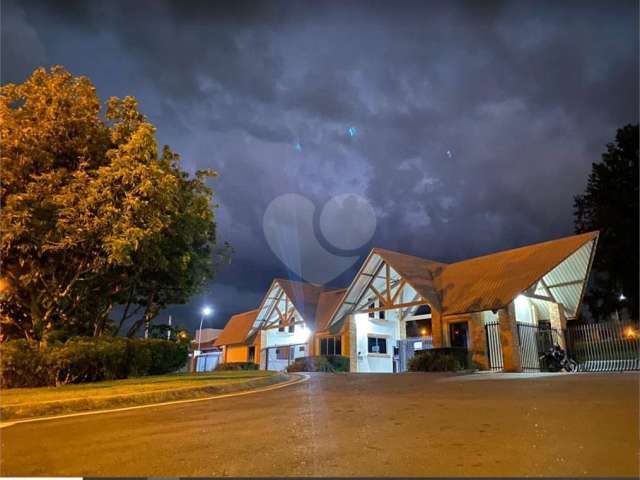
{"points": [[251, 354], [458, 334]]}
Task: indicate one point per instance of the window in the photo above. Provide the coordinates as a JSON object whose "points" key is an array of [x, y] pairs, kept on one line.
{"points": [[251, 354], [330, 346], [377, 345], [282, 353], [379, 314], [280, 326], [292, 327], [301, 348]]}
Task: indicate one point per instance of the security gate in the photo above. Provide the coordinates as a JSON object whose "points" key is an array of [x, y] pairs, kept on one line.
{"points": [[494, 348], [534, 340]]}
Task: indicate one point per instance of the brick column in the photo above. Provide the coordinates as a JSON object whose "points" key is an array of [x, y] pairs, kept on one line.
{"points": [[558, 321], [478, 344], [436, 329], [509, 339]]}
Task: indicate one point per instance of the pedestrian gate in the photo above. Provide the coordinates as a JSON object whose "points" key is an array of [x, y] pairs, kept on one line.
{"points": [[534, 340]]}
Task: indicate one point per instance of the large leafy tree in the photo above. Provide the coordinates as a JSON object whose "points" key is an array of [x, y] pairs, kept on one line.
{"points": [[610, 204], [93, 215]]}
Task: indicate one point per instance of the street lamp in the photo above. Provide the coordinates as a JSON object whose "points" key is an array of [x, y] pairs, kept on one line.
{"points": [[206, 311]]}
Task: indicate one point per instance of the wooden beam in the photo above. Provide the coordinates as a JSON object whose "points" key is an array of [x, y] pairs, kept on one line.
{"points": [[383, 301], [391, 307], [387, 280], [357, 302], [539, 297], [565, 284], [400, 287]]}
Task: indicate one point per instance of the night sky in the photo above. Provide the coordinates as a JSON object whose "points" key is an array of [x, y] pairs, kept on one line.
{"points": [[468, 127]]}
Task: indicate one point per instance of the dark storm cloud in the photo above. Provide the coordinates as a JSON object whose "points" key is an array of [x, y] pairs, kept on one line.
{"points": [[476, 122]]}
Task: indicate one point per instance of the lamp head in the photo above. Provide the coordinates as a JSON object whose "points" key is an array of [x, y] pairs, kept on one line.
{"points": [[206, 311]]}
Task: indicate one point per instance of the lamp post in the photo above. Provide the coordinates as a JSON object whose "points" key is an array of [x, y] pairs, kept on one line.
{"points": [[206, 311]]}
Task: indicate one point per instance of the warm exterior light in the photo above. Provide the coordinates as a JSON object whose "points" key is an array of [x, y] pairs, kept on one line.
{"points": [[423, 332], [206, 311], [629, 332]]}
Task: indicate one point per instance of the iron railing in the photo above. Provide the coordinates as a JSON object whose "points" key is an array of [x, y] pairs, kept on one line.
{"points": [[604, 347], [494, 347]]}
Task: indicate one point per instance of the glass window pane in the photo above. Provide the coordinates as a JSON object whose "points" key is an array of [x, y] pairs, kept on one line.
{"points": [[338, 346], [323, 346]]}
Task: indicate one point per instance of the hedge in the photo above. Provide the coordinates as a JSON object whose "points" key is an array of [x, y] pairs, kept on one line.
{"points": [[25, 363], [237, 366], [439, 360], [320, 363]]}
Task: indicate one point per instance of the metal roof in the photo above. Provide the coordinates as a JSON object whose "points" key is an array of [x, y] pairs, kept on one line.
{"points": [[236, 329], [485, 283]]}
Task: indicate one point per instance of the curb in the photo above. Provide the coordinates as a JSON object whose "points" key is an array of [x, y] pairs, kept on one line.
{"points": [[222, 391]]}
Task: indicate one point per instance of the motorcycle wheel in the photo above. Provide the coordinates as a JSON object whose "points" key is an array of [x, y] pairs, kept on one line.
{"points": [[571, 366]]}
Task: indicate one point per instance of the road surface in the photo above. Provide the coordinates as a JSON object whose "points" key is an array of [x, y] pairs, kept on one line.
{"points": [[363, 424]]}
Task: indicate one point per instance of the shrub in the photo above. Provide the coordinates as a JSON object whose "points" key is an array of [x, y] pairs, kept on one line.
{"points": [[23, 364], [237, 366], [434, 361], [320, 363], [86, 359]]}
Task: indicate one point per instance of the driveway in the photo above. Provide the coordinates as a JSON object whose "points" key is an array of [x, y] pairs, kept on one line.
{"points": [[355, 424]]}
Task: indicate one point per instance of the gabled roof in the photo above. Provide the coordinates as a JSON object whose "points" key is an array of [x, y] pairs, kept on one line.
{"points": [[327, 304], [304, 296], [236, 329], [206, 335], [492, 281], [419, 272]]}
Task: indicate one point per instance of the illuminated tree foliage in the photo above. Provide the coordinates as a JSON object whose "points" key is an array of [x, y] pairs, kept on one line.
{"points": [[610, 204], [93, 215]]}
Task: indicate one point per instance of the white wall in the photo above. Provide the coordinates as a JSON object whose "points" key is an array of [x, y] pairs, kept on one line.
{"points": [[524, 310], [273, 338], [387, 328], [276, 364]]}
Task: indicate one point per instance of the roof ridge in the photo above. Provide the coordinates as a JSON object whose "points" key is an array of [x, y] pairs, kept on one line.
{"points": [[378, 249], [591, 235]]}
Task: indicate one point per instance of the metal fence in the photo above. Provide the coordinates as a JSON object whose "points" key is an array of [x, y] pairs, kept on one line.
{"points": [[529, 351], [604, 347], [494, 347]]}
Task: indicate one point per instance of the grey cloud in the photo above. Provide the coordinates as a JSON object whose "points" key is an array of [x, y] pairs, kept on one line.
{"points": [[524, 95]]}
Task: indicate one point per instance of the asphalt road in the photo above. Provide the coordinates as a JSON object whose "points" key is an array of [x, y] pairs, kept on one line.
{"points": [[367, 424]]}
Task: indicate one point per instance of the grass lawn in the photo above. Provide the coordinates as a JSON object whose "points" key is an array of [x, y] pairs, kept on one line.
{"points": [[31, 402]]}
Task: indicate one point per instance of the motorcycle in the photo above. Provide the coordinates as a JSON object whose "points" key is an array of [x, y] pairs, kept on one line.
{"points": [[556, 360]]}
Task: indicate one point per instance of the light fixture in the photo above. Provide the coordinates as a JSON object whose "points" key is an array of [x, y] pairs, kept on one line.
{"points": [[622, 298], [207, 311]]}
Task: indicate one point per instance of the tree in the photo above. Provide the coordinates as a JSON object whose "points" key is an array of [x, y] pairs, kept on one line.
{"points": [[610, 204], [92, 214]]}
